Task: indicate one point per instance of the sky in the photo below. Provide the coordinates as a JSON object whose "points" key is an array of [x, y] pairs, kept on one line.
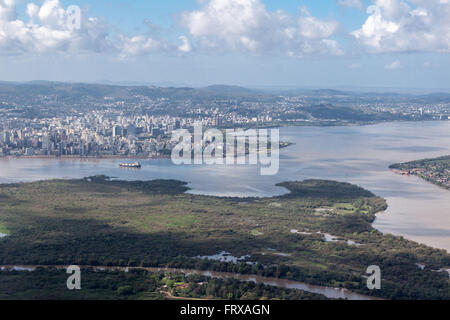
{"points": [[253, 43]]}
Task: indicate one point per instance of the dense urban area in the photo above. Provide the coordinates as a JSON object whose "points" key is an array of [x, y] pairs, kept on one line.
{"points": [[57, 119]]}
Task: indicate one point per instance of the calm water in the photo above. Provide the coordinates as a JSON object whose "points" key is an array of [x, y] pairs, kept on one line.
{"points": [[417, 210]]}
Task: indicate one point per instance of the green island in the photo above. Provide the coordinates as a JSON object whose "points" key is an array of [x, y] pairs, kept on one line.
{"points": [[320, 233], [436, 171]]}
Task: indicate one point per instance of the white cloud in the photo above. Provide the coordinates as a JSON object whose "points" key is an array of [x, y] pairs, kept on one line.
{"points": [[7, 10], [32, 10], [49, 30], [247, 26], [241, 25], [185, 46], [355, 66], [139, 45], [357, 4], [393, 65], [400, 26]]}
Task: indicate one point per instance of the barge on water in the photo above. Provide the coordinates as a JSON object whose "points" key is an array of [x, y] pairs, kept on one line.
{"points": [[130, 165]]}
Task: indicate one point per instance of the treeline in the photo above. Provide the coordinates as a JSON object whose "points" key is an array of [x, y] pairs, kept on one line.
{"points": [[170, 187], [324, 189], [50, 284], [198, 286]]}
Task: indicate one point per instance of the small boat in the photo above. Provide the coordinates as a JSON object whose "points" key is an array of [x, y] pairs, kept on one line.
{"points": [[130, 165]]}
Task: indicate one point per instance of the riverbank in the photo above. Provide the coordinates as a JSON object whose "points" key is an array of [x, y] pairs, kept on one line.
{"points": [[436, 170], [282, 145], [77, 157]]}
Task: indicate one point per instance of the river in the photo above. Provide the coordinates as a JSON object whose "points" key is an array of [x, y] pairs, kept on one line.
{"points": [[418, 210]]}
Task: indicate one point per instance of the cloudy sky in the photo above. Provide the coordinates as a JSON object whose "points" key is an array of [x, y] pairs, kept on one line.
{"points": [[317, 43]]}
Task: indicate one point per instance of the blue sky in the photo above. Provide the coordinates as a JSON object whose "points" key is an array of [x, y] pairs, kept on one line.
{"points": [[129, 13], [326, 43]]}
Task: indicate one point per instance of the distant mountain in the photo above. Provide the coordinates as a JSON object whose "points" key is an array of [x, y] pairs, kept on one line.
{"points": [[382, 94], [49, 93], [329, 92], [229, 89], [30, 92], [396, 90], [140, 83], [436, 97], [315, 92]]}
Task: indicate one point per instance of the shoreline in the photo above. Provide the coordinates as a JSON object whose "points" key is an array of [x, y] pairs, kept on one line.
{"points": [[117, 157], [419, 168], [111, 157], [423, 178]]}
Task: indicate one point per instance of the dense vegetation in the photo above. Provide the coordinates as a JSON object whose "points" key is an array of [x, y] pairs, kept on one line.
{"points": [[329, 111], [103, 222], [196, 287], [320, 189], [50, 283]]}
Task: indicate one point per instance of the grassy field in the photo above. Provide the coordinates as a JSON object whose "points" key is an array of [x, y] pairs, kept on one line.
{"points": [[95, 221]]}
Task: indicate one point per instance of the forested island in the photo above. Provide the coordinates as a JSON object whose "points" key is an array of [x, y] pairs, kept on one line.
{"points": [[320, 233], [436, 171]]}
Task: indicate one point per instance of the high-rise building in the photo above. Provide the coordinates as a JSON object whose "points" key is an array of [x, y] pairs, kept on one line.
{"points": [[217, 121], [46, 143], [29, 151], [117, 131], [6, 137]]}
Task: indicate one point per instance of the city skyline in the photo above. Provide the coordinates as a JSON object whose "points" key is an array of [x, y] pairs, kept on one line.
{"points": [[54, 119], [380, 43]]}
